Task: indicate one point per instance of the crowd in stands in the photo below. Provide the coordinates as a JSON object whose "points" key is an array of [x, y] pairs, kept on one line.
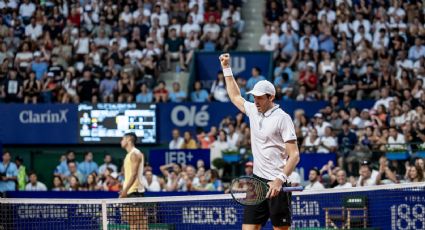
{"points": [[106, 51]]}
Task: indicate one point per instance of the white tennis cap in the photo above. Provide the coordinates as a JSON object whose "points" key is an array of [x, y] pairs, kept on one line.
{"points": [[262, 88]]}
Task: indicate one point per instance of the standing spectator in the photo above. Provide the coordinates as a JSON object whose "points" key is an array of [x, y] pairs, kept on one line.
{"points": [[177, 95], [22, 173], [34, 184], [177, 141], [199, 94], [107, 87], [88, 166], [8, 173], [314, 180], [107, 159]]}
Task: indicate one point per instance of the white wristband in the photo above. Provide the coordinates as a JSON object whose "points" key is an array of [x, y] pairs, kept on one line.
{"points": [[227, 72], [283, 177]]}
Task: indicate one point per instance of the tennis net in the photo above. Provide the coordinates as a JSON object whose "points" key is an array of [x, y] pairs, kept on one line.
{"points": [[377, 207]]}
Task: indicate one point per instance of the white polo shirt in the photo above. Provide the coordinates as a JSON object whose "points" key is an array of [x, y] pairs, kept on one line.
{"points": [[269, 132]]}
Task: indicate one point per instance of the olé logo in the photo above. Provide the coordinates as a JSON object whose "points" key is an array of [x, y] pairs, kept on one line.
{"points": [[188, 116], [238, 65]]}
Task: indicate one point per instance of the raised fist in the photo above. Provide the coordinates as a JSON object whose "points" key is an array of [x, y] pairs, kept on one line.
{"points": [[225, 60]]}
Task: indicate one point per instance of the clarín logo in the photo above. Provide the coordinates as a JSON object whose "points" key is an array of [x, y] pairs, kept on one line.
{"points": [[28, 116]]}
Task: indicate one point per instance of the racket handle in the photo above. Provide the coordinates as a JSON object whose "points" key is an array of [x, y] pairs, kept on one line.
{"points": [[292, 189]]}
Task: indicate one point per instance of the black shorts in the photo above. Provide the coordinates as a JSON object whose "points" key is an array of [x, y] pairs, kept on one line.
{"points": [[278, 209], [135, 194]]}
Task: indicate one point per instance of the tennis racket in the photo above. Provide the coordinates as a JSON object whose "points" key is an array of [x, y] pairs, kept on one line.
{"points": [[248, 190]]}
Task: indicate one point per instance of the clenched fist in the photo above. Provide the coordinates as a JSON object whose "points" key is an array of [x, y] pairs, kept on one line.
{"points": [[225, 60]]}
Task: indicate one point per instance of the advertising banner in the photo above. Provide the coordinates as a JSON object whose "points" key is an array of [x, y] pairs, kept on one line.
{"points": [[38, 124], [160, 157]]}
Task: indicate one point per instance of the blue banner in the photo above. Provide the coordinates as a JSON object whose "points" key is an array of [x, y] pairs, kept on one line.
{"points": [[401, 208], [160, 157], [38, 124], [207, 65], [311, 160]]}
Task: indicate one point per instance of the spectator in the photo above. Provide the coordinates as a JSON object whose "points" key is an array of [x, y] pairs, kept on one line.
{"points": [[177, 95], [107, 87], [368, 176], [314, 180], [249, 168], [69, 87], [214, 180], [8, 173], [73, 184], [232, 137], [174, 49], [125, 88], [327, 143], [150, 184], [58, 184], [320, 125], [107, 159], [177, 141], [32, 89], [368, 85], [341, 178], [26, 10], [33, 30], [34, 184], [12, 90], [414, 173], [218, 89], [191, 44], [39, 65], [87, 88], [269, 41], [396, 140], [73, 172], [91, 183], [346, 141], [188, 141], [199, 94], [161, 93], [22, 174], [218, 146], [385, 174], [145, 95], [384, 99], [88, 166], [311, 142], [256, 77]]}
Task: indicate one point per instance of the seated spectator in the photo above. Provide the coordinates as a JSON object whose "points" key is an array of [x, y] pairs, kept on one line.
{"points": [[218, 89], [341, 179], [73, 184], [149, 183], [188, 141], [107, 159], [87, 88], [34, 184], [125, 88], [12, 89], [414, 173], [88, 166], [203, 185], [227, 41], [320, 124], [199, 94], [32, 89], [396, 140], [191, 44], [386, 173], [232, 137], [145, 95], [9, 173], [314, 180], [177, 141], [207, 42], [69, 87], [58, 184], [218, 146], [174, 49], [107, 88], [73, 172], [91, 183], [206, 139], [327, 143], [177, 95], [39, 65], [368, 176], [160, 93], [311, 142], [347, 140], [214, 180]]}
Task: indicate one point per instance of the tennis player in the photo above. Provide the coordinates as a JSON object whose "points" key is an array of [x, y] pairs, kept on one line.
{"points": [[274, 148], [133, 187]]}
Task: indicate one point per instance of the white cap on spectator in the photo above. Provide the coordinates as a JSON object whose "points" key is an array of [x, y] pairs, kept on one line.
{"points": [[114, 175], [50, 74], [262, 88], [365, 110], [319, 115], [311, 64], [37, 54], [88, 8]]}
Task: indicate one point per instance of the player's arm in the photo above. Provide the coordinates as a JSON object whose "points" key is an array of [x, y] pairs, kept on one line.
{"points": [[293, 157], [231, 85], [135, 162]]}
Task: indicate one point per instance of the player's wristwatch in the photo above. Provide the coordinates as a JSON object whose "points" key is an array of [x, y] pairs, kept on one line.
{"points": [[283, 177]]}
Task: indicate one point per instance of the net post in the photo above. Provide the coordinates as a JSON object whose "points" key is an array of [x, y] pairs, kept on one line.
{"points": [[104, 216]]}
